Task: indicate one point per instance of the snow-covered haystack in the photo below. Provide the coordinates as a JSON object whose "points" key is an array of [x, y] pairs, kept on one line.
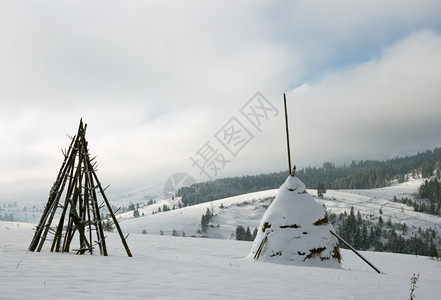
{"points": [[295, 230]]}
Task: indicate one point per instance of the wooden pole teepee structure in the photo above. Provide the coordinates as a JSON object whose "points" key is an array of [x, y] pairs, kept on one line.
{"points": [[75, 196]]}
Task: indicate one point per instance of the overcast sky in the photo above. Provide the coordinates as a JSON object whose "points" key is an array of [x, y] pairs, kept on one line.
{"points": [[172, 86]]}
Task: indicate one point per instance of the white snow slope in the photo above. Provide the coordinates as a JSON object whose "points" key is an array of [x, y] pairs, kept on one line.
{"points": [[247, 210], [166, 267]]}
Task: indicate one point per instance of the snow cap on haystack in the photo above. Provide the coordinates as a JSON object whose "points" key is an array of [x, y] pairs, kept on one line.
{"points": [[295, 230]]}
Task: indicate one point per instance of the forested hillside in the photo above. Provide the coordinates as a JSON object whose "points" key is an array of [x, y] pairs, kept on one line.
{"points": [[356, 175], [431, 191], [384, 235]]}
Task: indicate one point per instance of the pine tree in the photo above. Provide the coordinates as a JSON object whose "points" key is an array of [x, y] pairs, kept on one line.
{"points": [[205, 220], [248, 236], [240, 233], [364, 242], [380, 222], [255, 233], [321, 190], [433, 252]]}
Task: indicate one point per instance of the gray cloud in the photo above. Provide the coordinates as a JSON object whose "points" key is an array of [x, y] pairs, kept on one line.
{"points": [[389, 105], [156, 80]]}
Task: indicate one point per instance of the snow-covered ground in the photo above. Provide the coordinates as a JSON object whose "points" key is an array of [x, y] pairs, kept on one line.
{"points": [[239, 210], [166, 267], [247, 210], [369, 202]]}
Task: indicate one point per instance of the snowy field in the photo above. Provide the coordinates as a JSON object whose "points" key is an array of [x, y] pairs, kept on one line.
{"points": [[166, 267], [247, 210]]}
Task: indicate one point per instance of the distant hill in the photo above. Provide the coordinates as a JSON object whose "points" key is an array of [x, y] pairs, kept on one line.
{"points": [[357, 175], [372, 219]]}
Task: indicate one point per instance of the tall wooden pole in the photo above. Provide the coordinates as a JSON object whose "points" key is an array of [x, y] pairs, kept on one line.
{"points": [[287, 135]]}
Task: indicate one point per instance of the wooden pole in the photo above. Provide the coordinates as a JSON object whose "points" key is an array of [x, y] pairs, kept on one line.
{"points": [[115, 221], [52, 214], [355, 251], [259, 250], [52, 201], [87, 205], [56, 244], [95, 209], [73, 223], [287, 135]]}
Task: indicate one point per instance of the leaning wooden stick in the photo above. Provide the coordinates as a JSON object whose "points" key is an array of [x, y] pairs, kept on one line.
{"points": [[355, 251]]}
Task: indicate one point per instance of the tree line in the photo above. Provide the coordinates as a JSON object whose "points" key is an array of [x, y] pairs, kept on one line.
{"points": [[243, 234], [384, 236], [428, 198], [430, 190], [7, 217], [228, 187], [364, 174]]}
